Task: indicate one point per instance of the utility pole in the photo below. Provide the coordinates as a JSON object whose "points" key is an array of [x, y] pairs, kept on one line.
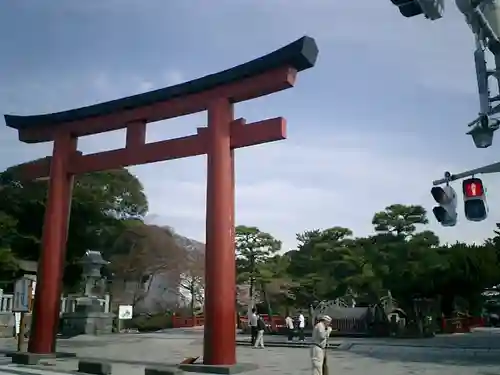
{"points": [[483, 18]]}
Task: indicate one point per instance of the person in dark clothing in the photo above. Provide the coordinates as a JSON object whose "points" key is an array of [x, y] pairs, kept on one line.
{"points": [[261, 327]]}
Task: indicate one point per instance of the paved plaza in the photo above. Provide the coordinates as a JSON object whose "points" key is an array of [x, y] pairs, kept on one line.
{"points": [[474, 354]]}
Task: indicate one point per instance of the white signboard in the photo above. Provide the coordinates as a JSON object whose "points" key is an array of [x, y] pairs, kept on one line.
{"points": [[125, 312], [21, 296], [17, 318]]}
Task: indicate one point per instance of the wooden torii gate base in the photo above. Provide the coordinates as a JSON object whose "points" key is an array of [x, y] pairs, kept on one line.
{"points": [[215, 93]]}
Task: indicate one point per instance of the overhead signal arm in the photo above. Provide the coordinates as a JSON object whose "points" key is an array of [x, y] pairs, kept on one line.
{"points": [[487, 169]]}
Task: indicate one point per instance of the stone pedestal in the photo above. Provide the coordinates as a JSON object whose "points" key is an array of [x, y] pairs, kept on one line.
{"points": [[7, 324], [88, 319]]}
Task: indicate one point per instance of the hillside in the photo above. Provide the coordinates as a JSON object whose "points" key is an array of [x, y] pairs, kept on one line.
{"points": [[185, 242]]}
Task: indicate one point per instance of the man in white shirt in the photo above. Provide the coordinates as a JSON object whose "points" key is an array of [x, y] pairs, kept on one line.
{"points": [[302, 325], [289, 327], [320, 335], [252, 322]]}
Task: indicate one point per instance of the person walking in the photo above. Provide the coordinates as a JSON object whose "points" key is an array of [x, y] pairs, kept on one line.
{"points": [[289, 327], [320, 334], [302, 325], [252, 322], [261, 327]]}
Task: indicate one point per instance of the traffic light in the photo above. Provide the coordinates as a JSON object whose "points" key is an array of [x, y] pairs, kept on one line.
{"points": [[446, 212], [475, 205], [431, 9]]}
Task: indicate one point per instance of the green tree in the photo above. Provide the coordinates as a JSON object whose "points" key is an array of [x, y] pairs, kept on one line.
{"points": [[316, 266], [402, 252], [399, 219], [275, 282], [424, 239], [469, 270], [358, 270], [8, 261], [399, 258], [101, 203], [253, 249], [495, 240]]}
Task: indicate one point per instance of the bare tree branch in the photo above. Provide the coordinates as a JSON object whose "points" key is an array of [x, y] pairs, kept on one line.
{"points": [[192, 284], [143, 252]]}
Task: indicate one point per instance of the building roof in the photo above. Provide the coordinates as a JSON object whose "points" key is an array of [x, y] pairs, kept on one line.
{"points": [[29, 266]]}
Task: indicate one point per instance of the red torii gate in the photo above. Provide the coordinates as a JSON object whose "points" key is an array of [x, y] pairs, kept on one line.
{"points": [[215, 93]]}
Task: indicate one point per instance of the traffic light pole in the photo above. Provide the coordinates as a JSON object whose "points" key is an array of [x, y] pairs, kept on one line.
{"points": [[448, 177], [483, 18]]}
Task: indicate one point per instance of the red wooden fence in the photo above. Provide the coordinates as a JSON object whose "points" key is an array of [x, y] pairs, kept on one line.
{"points": [[275, 323], [461, 325], [183, 322]]}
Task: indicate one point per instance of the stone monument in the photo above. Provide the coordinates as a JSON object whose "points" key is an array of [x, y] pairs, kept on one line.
{"points": [[89, 316]]}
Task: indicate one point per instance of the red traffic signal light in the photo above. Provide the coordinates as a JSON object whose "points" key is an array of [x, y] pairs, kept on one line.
{"points": [[473, 188], [474, 199]]}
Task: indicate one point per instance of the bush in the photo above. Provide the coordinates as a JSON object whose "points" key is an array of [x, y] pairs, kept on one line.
{"points": [[149, 323]]}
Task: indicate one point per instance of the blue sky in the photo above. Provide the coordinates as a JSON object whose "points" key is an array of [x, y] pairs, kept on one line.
{"points": [[382, 114]]}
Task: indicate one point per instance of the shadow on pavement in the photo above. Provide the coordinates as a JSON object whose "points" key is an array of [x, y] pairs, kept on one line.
{"points": [[17, 372], [65, 337], [457, 357], [129, 362]]}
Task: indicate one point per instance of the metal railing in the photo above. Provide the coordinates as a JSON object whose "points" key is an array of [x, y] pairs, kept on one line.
{"points": [[68, 303]]}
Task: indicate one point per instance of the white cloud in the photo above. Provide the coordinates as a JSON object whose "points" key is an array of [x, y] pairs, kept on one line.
{"points": [[288, 187], [146, 86], [173, 77], [436, 54]]}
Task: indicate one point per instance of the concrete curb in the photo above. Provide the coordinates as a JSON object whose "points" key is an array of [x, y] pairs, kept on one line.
{"points": [[219, 369], [411, 345], [162, 371], [10, 353], [94, 367], [285, 344]]}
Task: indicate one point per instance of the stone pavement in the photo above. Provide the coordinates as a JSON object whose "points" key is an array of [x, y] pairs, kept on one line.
{"points": [[475, 354], [481, 338]]}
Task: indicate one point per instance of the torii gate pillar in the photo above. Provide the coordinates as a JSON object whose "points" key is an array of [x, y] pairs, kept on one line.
{"points": [[219, 237]]}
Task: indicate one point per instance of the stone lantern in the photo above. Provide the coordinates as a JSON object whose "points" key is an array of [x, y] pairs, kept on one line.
{"points": [[89, 316], [91, 263]]}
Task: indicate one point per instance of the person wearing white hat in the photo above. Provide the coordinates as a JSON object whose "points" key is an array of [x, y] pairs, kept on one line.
{"points": [[320, 335]]}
